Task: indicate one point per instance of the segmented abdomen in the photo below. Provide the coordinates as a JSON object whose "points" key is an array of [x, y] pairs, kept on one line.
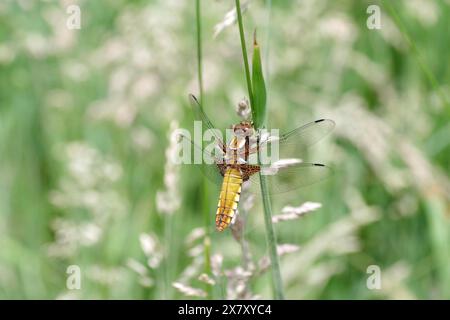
{"points": [[229, 198]]}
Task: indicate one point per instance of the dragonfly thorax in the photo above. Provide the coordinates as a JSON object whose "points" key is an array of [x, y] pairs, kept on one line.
{"points": [[235, 151]]}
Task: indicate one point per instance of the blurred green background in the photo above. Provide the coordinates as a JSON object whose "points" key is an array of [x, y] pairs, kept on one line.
{"points": [[86, 178]]}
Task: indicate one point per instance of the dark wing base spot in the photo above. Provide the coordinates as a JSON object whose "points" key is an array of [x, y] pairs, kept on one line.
{"points": [[248, 170]]}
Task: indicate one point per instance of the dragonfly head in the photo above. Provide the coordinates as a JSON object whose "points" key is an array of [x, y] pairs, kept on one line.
{"points": [[243, 129]]}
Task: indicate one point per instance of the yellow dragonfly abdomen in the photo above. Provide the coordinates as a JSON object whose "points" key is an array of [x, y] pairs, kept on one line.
{"points": [[229, 198]]}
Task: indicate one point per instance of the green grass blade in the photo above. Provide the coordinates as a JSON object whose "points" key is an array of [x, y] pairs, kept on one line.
{"points": [[259, 110]]}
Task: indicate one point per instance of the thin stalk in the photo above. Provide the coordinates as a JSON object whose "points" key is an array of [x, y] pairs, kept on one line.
{"points": [[244, 52], [271, 239], [206, 216]]}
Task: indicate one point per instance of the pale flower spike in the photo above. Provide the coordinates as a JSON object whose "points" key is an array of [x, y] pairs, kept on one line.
{"points": [[229, 19], [292, 213], [189, 291]]}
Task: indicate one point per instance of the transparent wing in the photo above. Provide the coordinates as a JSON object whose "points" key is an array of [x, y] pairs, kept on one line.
{"points": [[290, 174], [287, 172], [310, 133], [200, 115], [292, 144], [208, 160]]}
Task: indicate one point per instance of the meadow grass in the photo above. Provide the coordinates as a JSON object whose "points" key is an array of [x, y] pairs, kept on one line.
{"points": [[85, 124]]}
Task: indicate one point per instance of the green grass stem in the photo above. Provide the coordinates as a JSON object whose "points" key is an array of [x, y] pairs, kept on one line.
{"points": [[270, 233]]}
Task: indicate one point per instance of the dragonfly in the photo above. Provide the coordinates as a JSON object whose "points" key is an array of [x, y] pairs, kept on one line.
{"points": [[229, 165]]}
